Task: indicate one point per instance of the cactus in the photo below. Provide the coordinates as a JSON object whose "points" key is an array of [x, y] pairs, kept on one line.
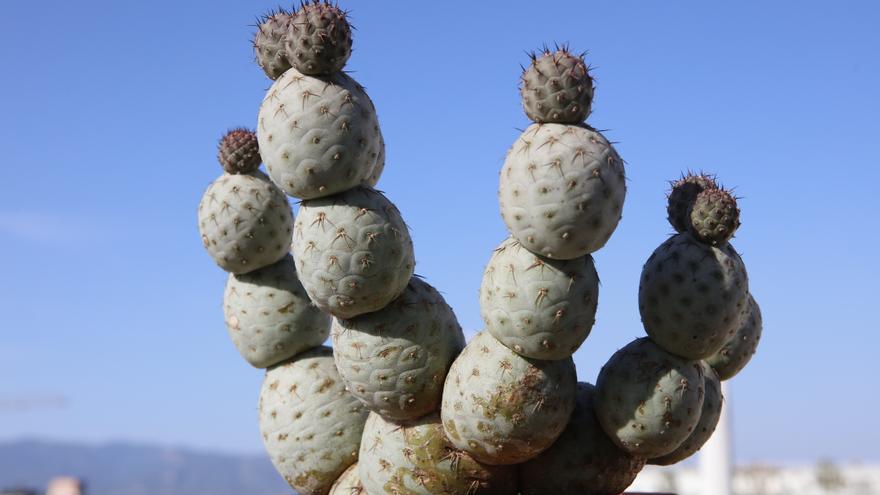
{"points": [[557, 88], [311, 425], [269, 315], [682, 195], [395, 360], [269, 50], [737, 351], [353, 251], [319, 38], [415, 457], [714, 217], [245, 222], [538, 307], [583, 461], [373, 179], [691, 296], [562, 190], [318, 136], [238, 151], [503, 408], [648, 401], [711, 413], [349, 483]]}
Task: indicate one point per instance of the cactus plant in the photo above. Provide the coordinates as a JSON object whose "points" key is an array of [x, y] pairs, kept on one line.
{"points": [[238, 151], [503, 408], [737, 351], [353, 252], [557, 87], [583, 461], [269, 41], [318, 136], [415, 457], [538, 307], [714, 217], [562, 190], [349, 483], [682, 195], [691, 296], [648, 401], [395, 360], [311, 425], [269, 315], [318, 40]]}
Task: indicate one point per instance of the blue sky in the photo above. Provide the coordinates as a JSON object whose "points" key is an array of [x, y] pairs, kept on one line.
{"points": [[110, 112]]}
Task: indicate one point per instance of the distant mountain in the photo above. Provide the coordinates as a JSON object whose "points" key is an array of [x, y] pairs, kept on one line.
{"points": [[130, 469]]}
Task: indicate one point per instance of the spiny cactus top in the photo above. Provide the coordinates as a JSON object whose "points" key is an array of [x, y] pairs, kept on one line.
{"points": [[557, 88], [239, 152], [319, 38], [682, 195], [714, 216], [269, 43]]}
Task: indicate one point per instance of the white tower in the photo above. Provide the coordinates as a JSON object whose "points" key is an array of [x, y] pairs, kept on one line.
{"points": [[716, 456]]}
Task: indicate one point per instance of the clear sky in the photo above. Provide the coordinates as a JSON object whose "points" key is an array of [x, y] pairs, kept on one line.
{"points": [[110, 112]]}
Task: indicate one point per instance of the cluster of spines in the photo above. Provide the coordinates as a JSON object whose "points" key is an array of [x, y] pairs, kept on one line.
{"points": [[698, 204]]}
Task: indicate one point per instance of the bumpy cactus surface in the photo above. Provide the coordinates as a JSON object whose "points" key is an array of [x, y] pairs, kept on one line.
{"points": [[318, 41], [557, 88], [349, 483], [691, 296], [648, 401], [318, 136], [269, 315], [415, 457], [353, 252], [311, 425], [583, 461], [711, 413], [503, 408], [738, 351], [539, 307], [238, 151], [269, 40], [245, 222], [395, 360], [562, 190], [682, 195], [714, 217]]}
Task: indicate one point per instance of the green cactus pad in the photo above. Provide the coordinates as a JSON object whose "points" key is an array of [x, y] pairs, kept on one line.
{"points": [[239, 152], [682, 196], [269, 40], [557, 88], [395, 360], [709, 417], [648, 401], [714, 217], [737, 352], [416, 458], [583, 461], [319, 38]]}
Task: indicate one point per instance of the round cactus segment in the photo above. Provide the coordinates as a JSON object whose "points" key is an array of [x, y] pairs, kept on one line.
{"points": [[562, 190], [349, 483], [353, 252], [416, 458], [503, 408], [714, 217], [709, 417], [319, 38], [557, 88], [648, 401], [318, 136], [269, 315], [583, 461], [311, 426], [692, 296], [738, 351], [538, 307], [245, 222], [238, 151], [395, 360], [269, 40], [682, 196]]}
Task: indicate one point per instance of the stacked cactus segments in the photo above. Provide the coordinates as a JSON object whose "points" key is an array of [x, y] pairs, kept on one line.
{"points": [[660, 397], [400, 403]]}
